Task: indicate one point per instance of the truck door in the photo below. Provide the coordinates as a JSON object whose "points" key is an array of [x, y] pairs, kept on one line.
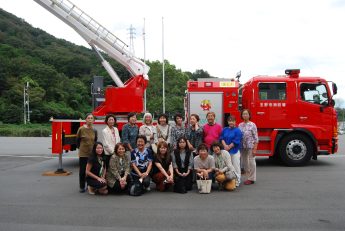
{"points": [[314, 111], [271, 105]]}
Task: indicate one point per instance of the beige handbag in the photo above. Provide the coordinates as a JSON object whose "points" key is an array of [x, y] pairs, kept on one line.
{"points": [[204, 186]]}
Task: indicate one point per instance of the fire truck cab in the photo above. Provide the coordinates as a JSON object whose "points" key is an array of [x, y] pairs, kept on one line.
{"points": [[295, 115]]}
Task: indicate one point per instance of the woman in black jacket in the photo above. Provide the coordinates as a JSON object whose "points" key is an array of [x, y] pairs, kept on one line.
{"points": [[182, 159]]}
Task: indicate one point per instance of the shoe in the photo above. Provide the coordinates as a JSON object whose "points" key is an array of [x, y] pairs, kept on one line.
{"points": [[90, 190], [248, 182], [148, 189], [82, 190]]}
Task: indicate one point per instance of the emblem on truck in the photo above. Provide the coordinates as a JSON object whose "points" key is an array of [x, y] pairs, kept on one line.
{"points": [[205, 105]]}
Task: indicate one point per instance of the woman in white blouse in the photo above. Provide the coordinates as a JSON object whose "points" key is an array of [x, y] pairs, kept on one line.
{"points": [[110, 137]]}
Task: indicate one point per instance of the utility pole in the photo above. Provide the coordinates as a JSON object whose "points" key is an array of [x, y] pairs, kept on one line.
{"points": [[26, 103], [163, 65], [144, 34]]}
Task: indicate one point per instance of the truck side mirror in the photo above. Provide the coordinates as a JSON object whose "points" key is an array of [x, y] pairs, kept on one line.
{"points": [[332, 103], [334, 88]]}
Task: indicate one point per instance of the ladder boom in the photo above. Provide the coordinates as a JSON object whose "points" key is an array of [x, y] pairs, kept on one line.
{"points": [[96, 35]]}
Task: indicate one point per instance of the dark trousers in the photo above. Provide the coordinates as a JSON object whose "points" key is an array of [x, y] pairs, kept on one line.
{"points": [[117, 187], [82, 171], [184, 182]]}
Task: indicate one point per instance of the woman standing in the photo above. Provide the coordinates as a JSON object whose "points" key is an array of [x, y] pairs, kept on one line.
{"points": [[162, 173], [118, 171], [178, 130], [250, 142], [86, 137], [182, 160], [148, 130], [96, 170], [194, 133], [231, 140], [163, 129], [130, 132], [110, 137]]}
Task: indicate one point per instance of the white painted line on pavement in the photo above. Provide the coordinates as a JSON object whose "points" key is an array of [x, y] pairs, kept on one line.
{"points": [[47, 157]]}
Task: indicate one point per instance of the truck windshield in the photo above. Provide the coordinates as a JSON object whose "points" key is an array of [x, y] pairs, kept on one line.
{"points": [[314, 93]]}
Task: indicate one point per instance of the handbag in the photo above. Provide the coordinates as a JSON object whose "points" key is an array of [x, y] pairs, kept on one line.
{"points": [[135, 189], [204, 186]]}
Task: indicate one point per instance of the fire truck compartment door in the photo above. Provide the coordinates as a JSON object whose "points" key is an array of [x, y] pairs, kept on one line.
{"points": [[202, 102]]}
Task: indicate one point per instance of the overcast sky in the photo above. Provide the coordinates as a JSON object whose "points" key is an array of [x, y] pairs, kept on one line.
{"points": [[221, 37]]}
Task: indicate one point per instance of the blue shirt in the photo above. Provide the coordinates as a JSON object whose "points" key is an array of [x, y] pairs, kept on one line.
{"points": [[232, 135], [141, 159], [129, 135]]}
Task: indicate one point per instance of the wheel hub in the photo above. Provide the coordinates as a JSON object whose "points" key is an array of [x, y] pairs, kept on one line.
{"points": [[296, 150]]}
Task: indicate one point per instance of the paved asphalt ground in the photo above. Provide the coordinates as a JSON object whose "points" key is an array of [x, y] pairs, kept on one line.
{"points": [[283, 198]]}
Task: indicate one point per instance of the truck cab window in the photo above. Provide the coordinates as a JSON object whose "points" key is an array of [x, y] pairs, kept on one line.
{"points": [[314, 93], [272, 91]]}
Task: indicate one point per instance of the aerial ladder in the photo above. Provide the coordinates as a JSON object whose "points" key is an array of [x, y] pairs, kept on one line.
{"points": [[126, 97], [120, 100]]}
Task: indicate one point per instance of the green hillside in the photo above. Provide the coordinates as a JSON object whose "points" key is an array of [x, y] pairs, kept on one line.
{"points": [[60, 74]]}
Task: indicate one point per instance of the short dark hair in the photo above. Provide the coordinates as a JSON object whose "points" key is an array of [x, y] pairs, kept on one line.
{"points": [[250, 114], [230, 118], [196, 117], [211, 113], [109, 116], [177, 115], [202, 147], [165, 116], [216, 144], [130, 115], [141, 137]]}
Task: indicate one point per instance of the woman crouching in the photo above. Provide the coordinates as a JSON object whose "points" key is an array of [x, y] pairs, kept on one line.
{"points": [[224, 170], [163, 173], [204, 163], [118, 172], [95, 171], [182, 159]]}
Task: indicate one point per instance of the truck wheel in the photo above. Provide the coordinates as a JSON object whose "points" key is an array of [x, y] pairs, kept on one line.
{"points": [[295, 150]]}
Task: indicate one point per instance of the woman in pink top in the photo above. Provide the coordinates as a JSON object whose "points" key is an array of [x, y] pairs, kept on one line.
{"points": [[212, 130]]}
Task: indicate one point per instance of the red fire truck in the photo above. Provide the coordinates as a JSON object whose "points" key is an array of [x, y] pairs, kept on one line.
{"points": [[295, 115]]}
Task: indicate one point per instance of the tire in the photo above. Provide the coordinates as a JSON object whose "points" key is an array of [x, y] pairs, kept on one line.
{"points": [[295, 150]]}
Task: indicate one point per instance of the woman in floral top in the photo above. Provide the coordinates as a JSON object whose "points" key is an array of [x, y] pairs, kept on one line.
{"points": [[119, 169], [250, 142], [178, 130]]}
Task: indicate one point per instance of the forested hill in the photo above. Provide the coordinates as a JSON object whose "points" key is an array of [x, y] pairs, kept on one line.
{"points": [[60, 74]]}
